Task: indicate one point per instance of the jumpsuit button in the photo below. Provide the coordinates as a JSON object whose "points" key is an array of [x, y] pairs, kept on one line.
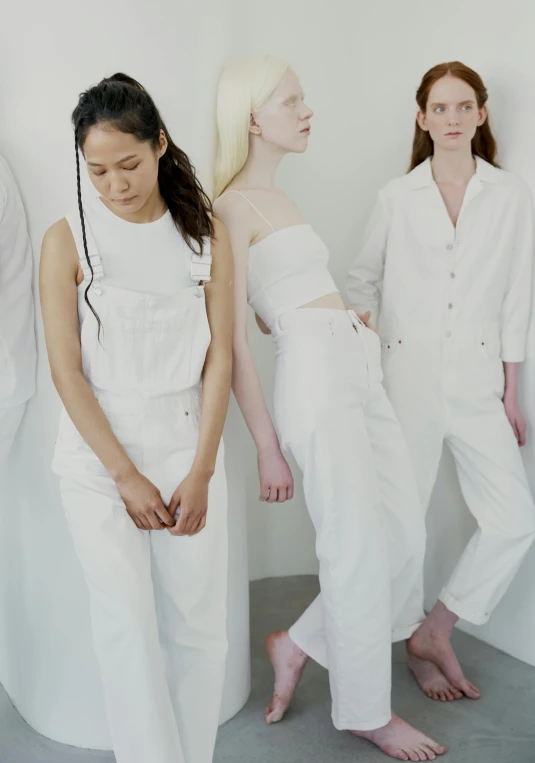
{"points": [[449, 247], [448, 334], [450, 306], [187, 413], [453, 275]]}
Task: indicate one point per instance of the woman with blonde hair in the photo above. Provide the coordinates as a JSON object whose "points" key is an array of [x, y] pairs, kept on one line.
{"points": [[331, 413], [450, 248]]}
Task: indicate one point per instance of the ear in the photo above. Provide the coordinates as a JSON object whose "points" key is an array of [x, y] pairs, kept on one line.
{"points": [[163, 144], [422, 121], [483, 115], [254, 128]]}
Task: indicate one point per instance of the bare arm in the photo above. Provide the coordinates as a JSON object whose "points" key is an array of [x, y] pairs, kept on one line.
{"points": [[275, 478], [366, 273], [59, 273], [516, 311], [261, 325], [192, 493]]}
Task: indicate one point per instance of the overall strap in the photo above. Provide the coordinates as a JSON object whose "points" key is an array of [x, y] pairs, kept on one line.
{"points": [[248, 200], [200, 267], [96, 261]]}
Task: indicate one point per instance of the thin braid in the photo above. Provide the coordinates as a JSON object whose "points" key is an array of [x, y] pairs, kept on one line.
{"points": [[82, 220]]}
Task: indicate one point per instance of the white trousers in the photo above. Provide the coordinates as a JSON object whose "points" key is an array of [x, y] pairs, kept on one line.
{"points": [[10, 419], [158, 602], [333, 415], [452, 394]]}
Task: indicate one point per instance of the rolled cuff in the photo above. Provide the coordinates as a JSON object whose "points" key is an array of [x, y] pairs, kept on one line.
{"points": [[513, 348]]}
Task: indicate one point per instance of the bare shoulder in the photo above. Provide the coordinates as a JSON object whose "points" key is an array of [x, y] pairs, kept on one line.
{"points": [[232, 209], [58, 249], [221, 235]]}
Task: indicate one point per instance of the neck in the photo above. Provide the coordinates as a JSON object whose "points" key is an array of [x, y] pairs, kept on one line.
{"points": [[455, 167], [261, 166], [154, 208]]}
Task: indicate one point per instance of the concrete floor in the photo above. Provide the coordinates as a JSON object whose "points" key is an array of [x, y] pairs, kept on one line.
{"points": [[500, 728]]}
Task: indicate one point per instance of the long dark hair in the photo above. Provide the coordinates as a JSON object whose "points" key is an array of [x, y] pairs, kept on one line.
{"points": [[483, 142], [123, 104]]}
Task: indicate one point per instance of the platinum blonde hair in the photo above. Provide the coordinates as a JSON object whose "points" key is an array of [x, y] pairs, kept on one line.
{"points": [[244, 86]]}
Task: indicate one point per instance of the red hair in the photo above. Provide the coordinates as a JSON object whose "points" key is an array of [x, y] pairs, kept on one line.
{"points": [[483, 142]]}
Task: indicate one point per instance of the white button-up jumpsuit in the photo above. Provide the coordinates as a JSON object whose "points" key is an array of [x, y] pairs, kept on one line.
{"points": [[455, 304], [18, 354], [158, 602]]}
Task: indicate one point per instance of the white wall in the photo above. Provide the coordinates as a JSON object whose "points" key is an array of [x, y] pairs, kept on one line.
{"points": [[49, 53], [360, 64]]}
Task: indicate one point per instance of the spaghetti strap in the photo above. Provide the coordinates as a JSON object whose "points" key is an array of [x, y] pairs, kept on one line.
{"points": [[247, 199]]}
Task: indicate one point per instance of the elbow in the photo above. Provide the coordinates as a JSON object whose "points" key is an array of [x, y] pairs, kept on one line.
{"points": [[63, 379]]}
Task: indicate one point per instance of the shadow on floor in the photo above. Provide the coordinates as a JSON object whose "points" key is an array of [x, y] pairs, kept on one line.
{"points": [[499, 728]]}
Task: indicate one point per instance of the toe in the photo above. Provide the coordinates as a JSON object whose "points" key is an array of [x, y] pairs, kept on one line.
{"points": [[471, 691], [430, 755], [449, 695], [442, 696], [413, 755], [400, 755]]}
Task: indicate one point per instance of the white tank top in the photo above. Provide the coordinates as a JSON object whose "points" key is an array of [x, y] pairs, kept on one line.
{"points": [[286, 270], [151, 258]]}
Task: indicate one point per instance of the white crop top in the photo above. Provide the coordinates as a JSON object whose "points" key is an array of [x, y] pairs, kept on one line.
{"points": [[286, 270]]}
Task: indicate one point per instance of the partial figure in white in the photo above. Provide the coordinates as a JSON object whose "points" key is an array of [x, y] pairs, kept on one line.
{"points": [[18, 354], [446, 263], [136, 289], [331, 413]]}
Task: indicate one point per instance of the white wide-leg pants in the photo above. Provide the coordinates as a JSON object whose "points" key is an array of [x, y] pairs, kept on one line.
{"points": [[333, 415], [158, 602]]}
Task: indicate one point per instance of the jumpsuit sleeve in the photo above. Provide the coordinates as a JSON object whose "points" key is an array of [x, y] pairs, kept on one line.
{"points": [[366, 274], [516, 308]]}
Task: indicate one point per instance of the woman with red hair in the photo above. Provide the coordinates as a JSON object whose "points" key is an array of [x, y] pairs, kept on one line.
{"points": [[447, 264]]}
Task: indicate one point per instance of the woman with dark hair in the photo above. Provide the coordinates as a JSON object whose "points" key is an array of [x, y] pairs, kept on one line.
{"points": [[137, 305], [450, 248]]}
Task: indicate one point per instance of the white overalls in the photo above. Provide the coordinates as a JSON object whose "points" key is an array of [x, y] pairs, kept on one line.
{"points": [[455, 305], [158, 602], [333, 415]]}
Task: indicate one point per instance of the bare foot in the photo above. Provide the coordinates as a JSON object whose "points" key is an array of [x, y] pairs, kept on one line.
{"points": [[433, 645], [432, 680], [288, 663], [403, 742]]}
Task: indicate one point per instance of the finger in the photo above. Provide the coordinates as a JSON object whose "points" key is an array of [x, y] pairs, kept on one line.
{"points": [[165, 516], [290, 491], [198, 526], [174, 503], [522, 430], [145, 525], [264, 492], [273, 494], [153, 521], [181, 525], [282, 495]]}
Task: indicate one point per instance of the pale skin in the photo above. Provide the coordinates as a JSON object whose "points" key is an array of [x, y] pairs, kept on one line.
{"points": [[279, 127], [121, 167], [451, 118]]}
